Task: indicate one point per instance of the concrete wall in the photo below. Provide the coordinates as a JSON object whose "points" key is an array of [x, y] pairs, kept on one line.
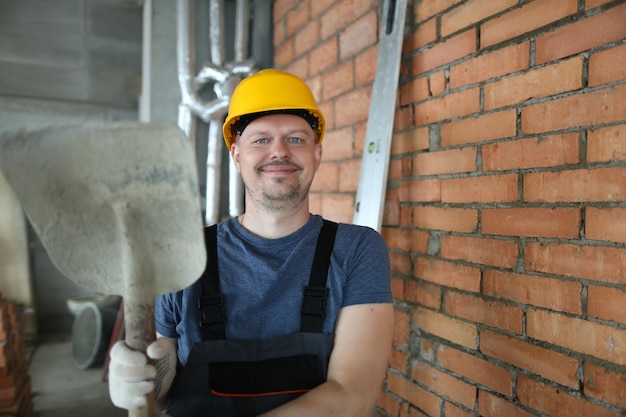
{"points": [[506, 199], [69, 61], [65, 61], [85, 51]]}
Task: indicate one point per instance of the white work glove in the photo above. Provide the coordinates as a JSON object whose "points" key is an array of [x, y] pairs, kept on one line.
{"points": [[163, 352], [131, 377]]}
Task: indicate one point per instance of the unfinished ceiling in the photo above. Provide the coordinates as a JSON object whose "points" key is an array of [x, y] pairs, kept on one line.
{"points": [[71, 50]]}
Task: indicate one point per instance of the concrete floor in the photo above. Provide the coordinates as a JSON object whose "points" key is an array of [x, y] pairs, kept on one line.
{"points": [[60, 389]]}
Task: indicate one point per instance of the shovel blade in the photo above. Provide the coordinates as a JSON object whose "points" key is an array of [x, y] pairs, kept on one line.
{"points": [[115, 204]]}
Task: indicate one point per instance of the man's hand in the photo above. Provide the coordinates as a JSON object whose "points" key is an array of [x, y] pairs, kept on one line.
{"points": [[131, 377], [163, 352]]}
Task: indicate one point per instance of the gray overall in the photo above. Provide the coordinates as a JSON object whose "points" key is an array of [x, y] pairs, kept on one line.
{"points": [[247, 377]]}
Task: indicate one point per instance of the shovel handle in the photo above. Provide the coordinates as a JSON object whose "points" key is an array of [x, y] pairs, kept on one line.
{"points": [[147, 411], [139, 333], [139, 325]]}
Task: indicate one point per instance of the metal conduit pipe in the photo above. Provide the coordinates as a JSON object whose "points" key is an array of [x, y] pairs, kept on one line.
{"points": [[216, 32], [235, 183], [191, 104], [225, 77], [213, 172], [214, 139], [185, 57], [241, 30], [185, 60]]}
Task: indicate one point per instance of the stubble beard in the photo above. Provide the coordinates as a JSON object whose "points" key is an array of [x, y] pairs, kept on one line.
{"points": [[276, 199]]}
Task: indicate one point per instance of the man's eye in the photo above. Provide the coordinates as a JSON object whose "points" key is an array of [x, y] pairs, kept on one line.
{"points": [[294, 140], [261, 141]]}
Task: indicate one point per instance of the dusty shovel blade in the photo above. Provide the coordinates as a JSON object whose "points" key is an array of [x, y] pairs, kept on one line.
{"points": [[115, 204]]}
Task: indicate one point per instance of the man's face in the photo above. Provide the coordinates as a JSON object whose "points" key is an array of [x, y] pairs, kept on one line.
{"points": [[277, 156]]}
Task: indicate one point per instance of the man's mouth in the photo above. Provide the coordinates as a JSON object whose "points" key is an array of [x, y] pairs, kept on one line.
{"points": [[278, 168]]}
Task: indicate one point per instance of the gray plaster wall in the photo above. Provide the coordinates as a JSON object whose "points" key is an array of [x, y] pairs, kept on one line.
{"points": [[64, 61], [69, 61], [85, 51]]}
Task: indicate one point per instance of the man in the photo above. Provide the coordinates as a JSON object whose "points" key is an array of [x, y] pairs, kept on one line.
{"points": [[293, 315]]}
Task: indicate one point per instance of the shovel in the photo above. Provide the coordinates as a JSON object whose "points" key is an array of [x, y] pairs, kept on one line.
{"points": [[117, 208]]}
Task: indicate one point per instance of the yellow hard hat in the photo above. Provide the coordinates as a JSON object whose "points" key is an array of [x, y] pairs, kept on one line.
{"points": [[271, 91]]}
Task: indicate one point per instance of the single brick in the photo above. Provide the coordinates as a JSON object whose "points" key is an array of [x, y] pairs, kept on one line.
{"points": [[588, 109], [608, 224], [551, 293], [607, 144], [607, 343], [471, 12], [530, 16], [535, 222], [484, 189], [463, 220], [525, 355], [553, 401], [445, 52], [578, 185], [494, 64], [600, 29], [481, 128], [445, 162], [597, 263], [548, 151], [607, 66], [561, 77]]}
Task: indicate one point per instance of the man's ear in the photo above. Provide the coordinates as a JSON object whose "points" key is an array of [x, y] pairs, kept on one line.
{"points": [[318, 154], [234, 154]]}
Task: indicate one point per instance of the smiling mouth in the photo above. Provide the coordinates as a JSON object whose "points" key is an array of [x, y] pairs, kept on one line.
{"points": [[278, 168]]}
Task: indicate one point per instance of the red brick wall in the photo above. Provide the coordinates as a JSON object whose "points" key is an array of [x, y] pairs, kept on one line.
{"points": [[15, 385], [506, 202]]}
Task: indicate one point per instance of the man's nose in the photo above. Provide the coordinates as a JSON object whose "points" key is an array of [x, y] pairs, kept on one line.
{"points": [[279, 149]]}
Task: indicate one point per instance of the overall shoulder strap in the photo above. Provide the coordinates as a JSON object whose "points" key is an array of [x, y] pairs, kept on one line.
{"points": [[316, 294], [211, 301]]}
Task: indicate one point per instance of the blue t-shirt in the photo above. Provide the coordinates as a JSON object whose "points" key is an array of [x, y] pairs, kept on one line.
{"points": [[262, 281]]}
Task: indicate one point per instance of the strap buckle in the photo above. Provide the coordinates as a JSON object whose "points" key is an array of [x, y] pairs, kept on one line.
{"points": [[211, 310], [314, 301]]}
